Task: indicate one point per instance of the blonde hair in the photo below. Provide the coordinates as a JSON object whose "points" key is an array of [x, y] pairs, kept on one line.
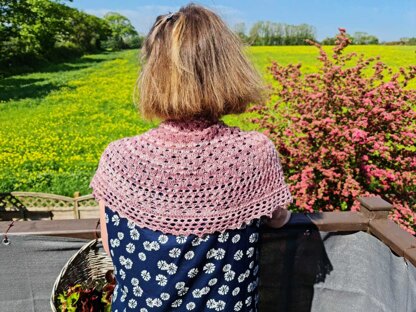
{"points": [[194, 65]]}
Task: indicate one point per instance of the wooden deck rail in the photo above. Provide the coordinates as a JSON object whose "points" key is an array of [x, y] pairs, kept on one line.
{"points": [[372, 218]]}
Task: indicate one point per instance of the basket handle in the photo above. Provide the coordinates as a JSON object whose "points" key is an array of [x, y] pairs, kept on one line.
{"points": [[96, 231], [6, 240]]}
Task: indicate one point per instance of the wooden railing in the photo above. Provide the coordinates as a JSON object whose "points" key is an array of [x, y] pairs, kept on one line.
{"points": [[372, 218], [42, 206]]}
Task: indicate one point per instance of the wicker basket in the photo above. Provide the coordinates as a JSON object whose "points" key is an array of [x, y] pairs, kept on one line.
{"points": [[89, 263]]}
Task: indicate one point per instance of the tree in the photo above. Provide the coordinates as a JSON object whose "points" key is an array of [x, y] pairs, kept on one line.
{"points": [[123, 31], [240, 30], [364, 38], [271, 33]]}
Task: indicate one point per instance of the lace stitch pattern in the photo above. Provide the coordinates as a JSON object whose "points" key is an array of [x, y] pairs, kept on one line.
{"points": [[192, 177]]}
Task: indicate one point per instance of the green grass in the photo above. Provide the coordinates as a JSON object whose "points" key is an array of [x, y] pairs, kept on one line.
{"points": [[55, 123]]}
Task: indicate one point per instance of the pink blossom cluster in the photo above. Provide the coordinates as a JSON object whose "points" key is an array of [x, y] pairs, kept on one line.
{"points": [[345, 134]]}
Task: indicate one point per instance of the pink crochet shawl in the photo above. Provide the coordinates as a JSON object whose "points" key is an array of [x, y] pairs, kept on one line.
{"points": [[192, 177]]}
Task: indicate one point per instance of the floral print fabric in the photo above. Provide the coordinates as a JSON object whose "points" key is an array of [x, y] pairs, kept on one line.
{"points": [[165, 272]]}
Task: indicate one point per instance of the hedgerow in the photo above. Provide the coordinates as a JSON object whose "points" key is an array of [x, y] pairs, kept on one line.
{"points": [[345, 133]]}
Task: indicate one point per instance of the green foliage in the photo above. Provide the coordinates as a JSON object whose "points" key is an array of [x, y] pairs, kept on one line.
{"points": [[55, 123], [270, 33], [123, 34], [35, 32]]}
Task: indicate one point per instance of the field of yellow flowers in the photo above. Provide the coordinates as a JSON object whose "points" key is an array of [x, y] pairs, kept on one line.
{"points": [[55, 123]]}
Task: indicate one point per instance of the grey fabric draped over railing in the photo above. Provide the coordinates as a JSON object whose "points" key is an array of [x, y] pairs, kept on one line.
{"points": [[301, 269]]}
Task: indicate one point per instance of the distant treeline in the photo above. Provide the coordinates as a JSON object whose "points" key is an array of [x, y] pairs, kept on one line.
{"points": [[37, 31], [271, 33]]}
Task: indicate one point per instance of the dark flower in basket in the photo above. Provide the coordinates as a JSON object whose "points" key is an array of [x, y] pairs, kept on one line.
{"points": [[93, 296]]}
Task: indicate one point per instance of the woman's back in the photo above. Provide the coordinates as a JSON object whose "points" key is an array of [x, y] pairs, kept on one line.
{"points": [[183, 202], [165, 272]]}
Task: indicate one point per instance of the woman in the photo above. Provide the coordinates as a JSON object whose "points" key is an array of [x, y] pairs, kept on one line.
{"points": [[181, 204]]}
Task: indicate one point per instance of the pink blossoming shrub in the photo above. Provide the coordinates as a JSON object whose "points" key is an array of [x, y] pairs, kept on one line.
{"points": [[345, 134]]}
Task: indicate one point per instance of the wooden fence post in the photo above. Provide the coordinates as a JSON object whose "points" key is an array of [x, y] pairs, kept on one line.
{"points": [[76, 212]]}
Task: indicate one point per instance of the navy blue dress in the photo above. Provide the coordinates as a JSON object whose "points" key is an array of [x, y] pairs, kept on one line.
{"points": [[164, 272]]}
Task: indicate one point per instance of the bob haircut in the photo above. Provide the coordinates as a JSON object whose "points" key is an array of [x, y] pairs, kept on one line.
{"points": [[193, 65]]}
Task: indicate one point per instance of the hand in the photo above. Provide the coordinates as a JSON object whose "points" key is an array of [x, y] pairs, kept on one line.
{"points": [[279, 218]]}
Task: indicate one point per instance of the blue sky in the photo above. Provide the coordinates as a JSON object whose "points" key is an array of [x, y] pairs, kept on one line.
{"points": [[386, 19]]}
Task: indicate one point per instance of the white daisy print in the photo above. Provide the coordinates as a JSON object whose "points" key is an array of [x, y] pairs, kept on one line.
{"points": [[181, 239], [116, 220], [142, 256], [124, 292], [211, 253], [143, 310], [209, 268], [115, 292], [137, 291], [197, 293], [236, 291], [192, 272], [223, 290], [250, 287], [147, 245], [190, 306], [163, 239], [238, 306], [161, 279], [114, 242], [174, 252], [205, 290], [226, 268], [151, 245], [248, 301], [189, 255], [132, 303], [241, 277], [172, 267], [229, 275], [155, 245], [120, 235], [122, 274], [106, 218], [250, 252], [220, 305], [134, 234], [222, 238], [196, 241], [157, 302], [128, 264], [130, 248], [183, 291], [162, 264], [253, 237], [122, 260], [130, 224], [251, 265], [180, 285], [220, 254], [211, 304], [212, 281], [238, 255], [176, 303], [149, 302], [235, 238], [164, 296], [145, 275]]}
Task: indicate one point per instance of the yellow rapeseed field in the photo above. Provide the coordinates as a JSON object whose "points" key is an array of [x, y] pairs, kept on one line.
{"points": [[55, 123]]}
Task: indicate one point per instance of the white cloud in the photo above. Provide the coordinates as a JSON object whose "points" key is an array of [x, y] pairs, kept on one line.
{"points": [[143, 17]]}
